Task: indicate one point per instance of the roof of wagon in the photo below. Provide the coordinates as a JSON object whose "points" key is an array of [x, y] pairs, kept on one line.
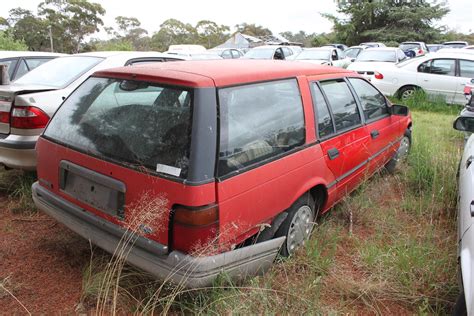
{"points": [[219, 73]]}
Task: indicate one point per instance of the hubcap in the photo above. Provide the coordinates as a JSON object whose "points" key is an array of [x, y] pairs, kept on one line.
{"points": [[408, 93], [404, 147], [300, 228]]}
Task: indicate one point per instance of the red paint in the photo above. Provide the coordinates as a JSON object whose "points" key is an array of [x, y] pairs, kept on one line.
{"points": [[248, 200]]}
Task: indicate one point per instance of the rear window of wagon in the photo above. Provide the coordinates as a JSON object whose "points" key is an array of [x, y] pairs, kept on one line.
{"points": [[129, 122]]}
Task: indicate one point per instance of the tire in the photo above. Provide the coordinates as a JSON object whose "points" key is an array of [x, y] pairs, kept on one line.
{"points": [[298, 225], [402, 152], [460, 306], [407, 92]]}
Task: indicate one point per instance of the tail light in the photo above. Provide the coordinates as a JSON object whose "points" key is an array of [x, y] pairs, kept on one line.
{"points": [[195, 229], [5, 117], [420, 52], [28, 117], [378, 75]]}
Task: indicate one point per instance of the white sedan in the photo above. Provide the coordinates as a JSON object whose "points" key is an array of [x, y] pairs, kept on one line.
{"points": [[440, 75], [466, 218], [323, 56], [370, 61]]}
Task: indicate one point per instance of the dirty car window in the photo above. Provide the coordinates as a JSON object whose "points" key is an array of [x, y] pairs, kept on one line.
{"points": [[130, 122]]}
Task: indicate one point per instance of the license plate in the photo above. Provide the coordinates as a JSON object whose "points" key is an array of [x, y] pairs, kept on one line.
{"points": [[101, 192]]}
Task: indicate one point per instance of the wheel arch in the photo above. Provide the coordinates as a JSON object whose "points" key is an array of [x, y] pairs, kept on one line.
{"points": [[397, 94]]}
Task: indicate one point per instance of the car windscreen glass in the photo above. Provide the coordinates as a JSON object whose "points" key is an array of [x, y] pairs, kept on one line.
{"points": [[352, 52], [314, 54], [454, 45], [405, 47], [134, 123], [59, 72], [377, 55], [264, 53]]}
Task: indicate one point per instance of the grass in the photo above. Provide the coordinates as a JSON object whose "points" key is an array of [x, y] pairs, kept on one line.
{"points": [[388, 248], [16, 185]]}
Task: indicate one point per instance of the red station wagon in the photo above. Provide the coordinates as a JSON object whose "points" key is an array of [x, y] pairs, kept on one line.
{"points": [[208, 167]]}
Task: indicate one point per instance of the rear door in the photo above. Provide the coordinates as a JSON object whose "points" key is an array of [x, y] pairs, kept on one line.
{"points": [[344, 138], [437, 77], [381, 126]]}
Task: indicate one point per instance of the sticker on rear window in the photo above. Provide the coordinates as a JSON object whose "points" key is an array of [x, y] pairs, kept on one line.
{"points": [[168, 170]]}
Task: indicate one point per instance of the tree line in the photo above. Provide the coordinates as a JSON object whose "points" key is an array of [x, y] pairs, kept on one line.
{"points": [[69, 26]]}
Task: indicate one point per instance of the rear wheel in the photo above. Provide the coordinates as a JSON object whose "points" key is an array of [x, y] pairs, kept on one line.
{"points": [[408, 92], [298, 225]]}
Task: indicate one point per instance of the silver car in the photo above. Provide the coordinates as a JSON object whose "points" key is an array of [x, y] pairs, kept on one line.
{"points": [[19, 63], [466, 218], [27, 104]]}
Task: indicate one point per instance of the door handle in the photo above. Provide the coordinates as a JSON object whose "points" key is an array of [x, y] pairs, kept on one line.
{"points": [[374, 134], [425, 80], [333, 153]]}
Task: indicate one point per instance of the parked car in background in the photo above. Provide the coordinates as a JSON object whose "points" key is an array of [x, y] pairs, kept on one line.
{"points": [[455, 44], [323, 56], [370, 61], [433, 48], [456, 51], [440, 75], [372, 44], [227, 53], [354, 51], [279, 52], [27, 104], [186, 48], [468, 47], [465, 218], [190, 55], [342, 47], [208, 140], [20, 63], [413, 49]]}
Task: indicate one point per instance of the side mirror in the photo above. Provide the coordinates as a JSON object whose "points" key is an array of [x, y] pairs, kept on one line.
{"points": [[464, 123], [4, 77], [400, 110]]}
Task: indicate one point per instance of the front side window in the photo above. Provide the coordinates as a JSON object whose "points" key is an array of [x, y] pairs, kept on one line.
{"points": [[323, 117], [467, 68], [373, 102], [133, 123], [342, 103], [259, 121]]}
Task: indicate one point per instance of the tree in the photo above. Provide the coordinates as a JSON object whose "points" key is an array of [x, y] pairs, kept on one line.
{"points": [[211, 34], [171, 32], [71, 21], [252, 29], [27, 28], [130, 32], [387, 20], [7, 42]]}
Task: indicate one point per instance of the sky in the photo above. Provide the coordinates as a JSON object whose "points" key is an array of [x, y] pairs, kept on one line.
{"points": [[278, 16]]}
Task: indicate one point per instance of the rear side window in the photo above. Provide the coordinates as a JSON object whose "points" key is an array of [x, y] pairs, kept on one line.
{"points": [[373, 102], [445, 67], [134, 123], [11, 63], [35, 62], [323, 117], [22, 69], [342, 103], [259, 121]]}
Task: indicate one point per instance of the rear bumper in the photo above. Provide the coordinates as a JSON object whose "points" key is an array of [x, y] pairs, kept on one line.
{"points": [[18, 152], [153, 257]]}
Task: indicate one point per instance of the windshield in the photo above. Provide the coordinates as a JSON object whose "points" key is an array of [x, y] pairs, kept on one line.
{"points": [[352, 52], [377, 55], [264, 53], [405, 47], [59, 72], [134, 123], [314, 54]]}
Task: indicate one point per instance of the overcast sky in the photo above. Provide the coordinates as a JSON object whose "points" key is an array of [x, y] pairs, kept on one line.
{"points": [[278, 16]]}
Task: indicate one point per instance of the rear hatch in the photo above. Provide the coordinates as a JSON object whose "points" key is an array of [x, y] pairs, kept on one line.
{"points": [[121, 150]]}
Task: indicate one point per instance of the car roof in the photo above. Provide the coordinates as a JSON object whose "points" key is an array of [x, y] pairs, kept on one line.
{"points": [[382, 48], [210, 73], [123, 53], [12, 54]]}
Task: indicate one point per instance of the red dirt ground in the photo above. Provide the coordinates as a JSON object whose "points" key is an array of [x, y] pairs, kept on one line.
{"points": [[41, 264]]}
